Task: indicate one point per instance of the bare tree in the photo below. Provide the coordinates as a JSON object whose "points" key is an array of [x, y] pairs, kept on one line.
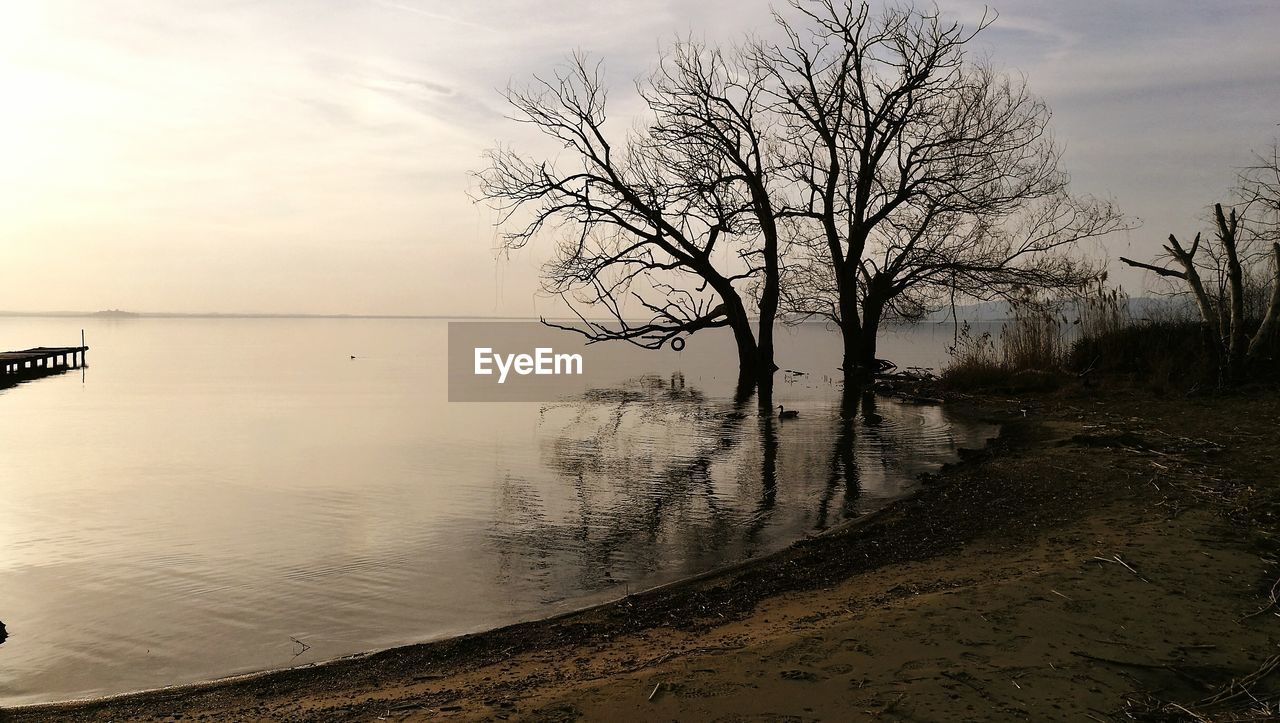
{"points": [[1246, 259], [674, 220], [1258, 187], [863, 168], [924, 176]]}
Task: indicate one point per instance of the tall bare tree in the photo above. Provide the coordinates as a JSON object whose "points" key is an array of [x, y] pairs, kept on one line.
{"points": [[862, 168], [924, 176], [674, 219]]}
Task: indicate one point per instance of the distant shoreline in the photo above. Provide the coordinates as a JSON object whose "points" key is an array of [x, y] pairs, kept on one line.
{"points": [[219, 315], [984, 312], [129, 315]]}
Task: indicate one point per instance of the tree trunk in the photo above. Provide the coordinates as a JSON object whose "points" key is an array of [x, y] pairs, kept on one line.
{"points": [[859, 351], [748, 359], [765, 366], [850, 325], [1236, 335], [1210, 318], [1262, 338], [860, 342], [871, 311], [851, 335], [744, 339], [743, 336], [764, 391], [768, 293]]}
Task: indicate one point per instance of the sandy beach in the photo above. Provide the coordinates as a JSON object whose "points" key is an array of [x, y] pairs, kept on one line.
{"points": [[1087, 565]]}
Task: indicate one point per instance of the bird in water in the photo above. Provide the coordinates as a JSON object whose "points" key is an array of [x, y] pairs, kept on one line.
{"points": [[784, 413]]}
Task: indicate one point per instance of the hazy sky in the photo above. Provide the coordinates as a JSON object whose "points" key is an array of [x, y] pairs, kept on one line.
{"points": [[312, 155]]}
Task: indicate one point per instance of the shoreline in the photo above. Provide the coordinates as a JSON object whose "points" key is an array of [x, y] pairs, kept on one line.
{"points": [[943, 540], [512, 628], [509, 628], [965, 456]]}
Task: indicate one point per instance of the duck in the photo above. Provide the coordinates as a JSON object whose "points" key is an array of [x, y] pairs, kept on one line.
{"points": [[784, 413]]}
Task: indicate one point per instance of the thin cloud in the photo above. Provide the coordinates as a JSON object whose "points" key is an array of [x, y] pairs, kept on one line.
{"points": [[433, 15]]}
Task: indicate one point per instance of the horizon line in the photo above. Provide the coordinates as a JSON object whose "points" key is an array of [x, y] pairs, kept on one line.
{"points": [[119, 314]]}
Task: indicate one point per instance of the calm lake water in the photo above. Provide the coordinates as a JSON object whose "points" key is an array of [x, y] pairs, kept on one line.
{"points": [[210, 491]]}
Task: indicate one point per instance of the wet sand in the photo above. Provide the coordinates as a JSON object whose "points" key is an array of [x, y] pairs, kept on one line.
{"points": [[1102, 560]]}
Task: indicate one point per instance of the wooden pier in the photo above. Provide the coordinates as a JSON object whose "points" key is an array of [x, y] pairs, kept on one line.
{"points": [[16, 366]]}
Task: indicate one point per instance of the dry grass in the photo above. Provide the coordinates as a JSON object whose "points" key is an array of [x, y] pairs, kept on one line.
{"points": [[1091, 333], [1028, 354]]}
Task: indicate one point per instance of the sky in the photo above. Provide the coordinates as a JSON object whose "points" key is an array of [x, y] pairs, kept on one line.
{"points": [[313, 156]]}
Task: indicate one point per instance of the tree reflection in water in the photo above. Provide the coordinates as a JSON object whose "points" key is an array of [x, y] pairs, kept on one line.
{"points": [[664, 481]]}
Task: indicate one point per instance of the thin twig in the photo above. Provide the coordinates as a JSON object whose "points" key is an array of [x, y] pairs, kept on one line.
{"points": [[1274, 601]]}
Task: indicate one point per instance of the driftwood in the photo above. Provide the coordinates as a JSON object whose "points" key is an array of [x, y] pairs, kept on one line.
{"points": [[1238, 698], [1116, 560], [1273, 602]]}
